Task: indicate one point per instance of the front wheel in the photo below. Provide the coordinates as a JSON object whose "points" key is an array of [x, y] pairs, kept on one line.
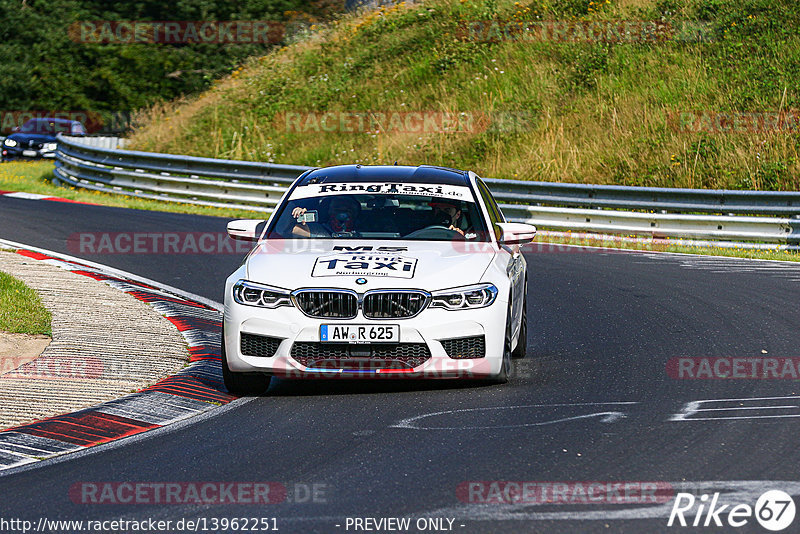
{"points": [[242, 384], [505, 369], [522, 342]]}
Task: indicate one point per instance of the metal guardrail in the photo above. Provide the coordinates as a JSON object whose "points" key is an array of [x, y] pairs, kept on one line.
{"points": [[187, 179], [659, 225], [665, 199], [559, 206], [103, 141]]}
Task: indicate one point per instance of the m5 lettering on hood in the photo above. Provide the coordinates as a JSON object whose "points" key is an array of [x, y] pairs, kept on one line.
{"points": [[365, 265], [369, 248]]}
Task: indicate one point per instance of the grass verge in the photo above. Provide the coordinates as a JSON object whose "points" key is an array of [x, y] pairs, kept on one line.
{"points": [[777, 255], [36, 177], [21, 309]]}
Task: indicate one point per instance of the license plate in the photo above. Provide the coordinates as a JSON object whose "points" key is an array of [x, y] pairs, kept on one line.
{"points": [[30, 153], [359, 333]]}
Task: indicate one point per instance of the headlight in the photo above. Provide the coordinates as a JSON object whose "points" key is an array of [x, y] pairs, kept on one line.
{"points": [[251, 294], [10, 142], [50, 146], [464, 298]]}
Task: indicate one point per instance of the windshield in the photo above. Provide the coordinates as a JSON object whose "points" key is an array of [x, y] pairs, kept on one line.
{"points": [[431, 212]]}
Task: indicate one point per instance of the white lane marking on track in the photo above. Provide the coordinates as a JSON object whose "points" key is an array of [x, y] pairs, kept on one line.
{"points": [[723, 265], [745, 408], [732, 492], [698, 407], [18, 449], [28, 196], [663, 255], [11, 459], [606, 417]]}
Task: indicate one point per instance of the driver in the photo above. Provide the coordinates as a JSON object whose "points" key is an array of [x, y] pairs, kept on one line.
{"points": [[447, 213], [342, 214]]}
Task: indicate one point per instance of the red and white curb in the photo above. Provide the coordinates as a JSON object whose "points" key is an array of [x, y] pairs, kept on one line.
{"points": [[37, 196], [193, 390]]}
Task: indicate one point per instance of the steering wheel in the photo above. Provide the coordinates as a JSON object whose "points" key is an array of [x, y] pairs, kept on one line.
{"points": [[436, 231]]}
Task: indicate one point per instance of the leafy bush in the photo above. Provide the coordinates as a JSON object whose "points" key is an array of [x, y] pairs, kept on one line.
{"points": [[43, 69]]}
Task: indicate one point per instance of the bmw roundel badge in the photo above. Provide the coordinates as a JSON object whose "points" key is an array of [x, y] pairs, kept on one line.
{"points": [[361, 281]]}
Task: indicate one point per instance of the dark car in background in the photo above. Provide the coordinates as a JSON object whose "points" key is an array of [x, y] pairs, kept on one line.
{"points": [[37, 138]]}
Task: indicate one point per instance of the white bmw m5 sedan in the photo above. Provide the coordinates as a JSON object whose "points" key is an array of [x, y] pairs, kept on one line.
{"points": [[377, 271]]}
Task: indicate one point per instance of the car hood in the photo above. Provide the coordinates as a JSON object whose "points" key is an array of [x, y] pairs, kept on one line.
{"points": [[427, 265], [36, 138]]}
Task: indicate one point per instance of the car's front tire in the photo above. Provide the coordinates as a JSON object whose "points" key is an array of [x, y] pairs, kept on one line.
{"points": [[243, 384], [505, 368], [522, 343]]}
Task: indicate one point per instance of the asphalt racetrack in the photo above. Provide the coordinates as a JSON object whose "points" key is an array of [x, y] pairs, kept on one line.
{"points": [[596, 399]]}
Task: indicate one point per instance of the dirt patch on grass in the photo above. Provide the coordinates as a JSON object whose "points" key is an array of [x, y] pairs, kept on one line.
{"points": [[19, 349]]}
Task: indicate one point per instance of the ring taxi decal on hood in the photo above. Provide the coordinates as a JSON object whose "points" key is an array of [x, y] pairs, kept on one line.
{"points": [[391, 266], [455, 192]]}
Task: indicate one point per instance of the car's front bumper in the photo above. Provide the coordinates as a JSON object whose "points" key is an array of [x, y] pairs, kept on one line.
{"points": [[27, 153], [430, 327]]}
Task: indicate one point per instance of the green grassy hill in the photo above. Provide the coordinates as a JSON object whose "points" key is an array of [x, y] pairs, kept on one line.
{"points": [[594, 112]]}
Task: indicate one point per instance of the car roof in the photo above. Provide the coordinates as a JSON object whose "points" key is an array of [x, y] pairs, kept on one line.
{"points": [[387, 173]]}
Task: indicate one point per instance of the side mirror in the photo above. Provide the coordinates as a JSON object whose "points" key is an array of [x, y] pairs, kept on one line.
{"points": [[15, 129], [246, 229], [516, 233]]}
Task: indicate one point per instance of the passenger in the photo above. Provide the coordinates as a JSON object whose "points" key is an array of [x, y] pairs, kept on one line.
{"points": [[342, 212]]}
